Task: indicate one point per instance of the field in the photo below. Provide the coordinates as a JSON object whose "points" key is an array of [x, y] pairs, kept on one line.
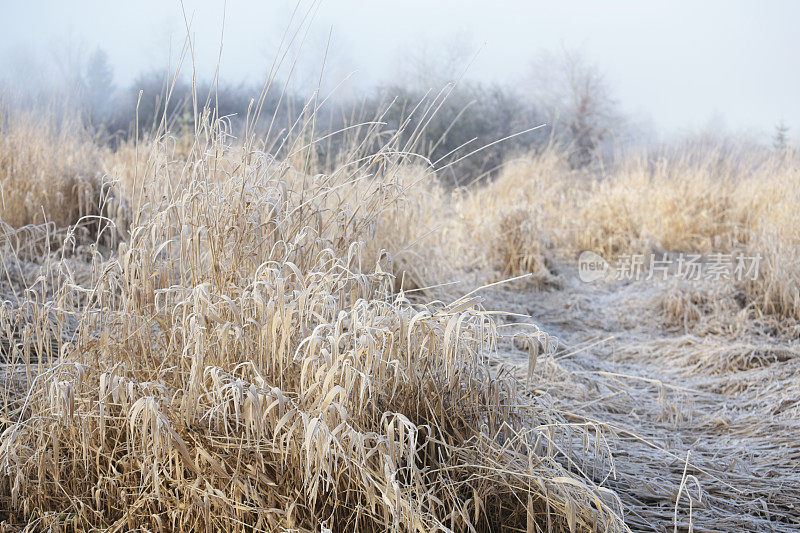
{"points": [[202, 333]]}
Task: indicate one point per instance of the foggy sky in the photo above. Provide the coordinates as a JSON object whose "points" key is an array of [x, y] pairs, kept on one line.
{"points": [[685, 64]]}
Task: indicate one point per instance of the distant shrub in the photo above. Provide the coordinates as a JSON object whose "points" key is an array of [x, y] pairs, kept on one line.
{"points": [[446, 127]]}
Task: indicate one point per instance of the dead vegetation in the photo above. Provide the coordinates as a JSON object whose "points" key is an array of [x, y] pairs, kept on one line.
{"points": [[243, 362], [198, 335]]}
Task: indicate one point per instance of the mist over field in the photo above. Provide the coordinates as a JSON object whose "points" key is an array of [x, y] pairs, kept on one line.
{"points": [[672, 69], [420, 266]]}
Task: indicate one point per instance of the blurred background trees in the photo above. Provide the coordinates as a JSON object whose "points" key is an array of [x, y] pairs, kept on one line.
{"points": [[98, 86], [431, 107], [579, 105]]}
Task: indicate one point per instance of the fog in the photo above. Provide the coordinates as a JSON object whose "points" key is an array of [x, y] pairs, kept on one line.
{"points": [[678, 66]]}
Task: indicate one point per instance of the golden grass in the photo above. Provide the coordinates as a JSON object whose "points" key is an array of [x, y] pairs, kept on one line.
{"points": [[261, 347], [45, 171], [243, 362], [742, 203]]}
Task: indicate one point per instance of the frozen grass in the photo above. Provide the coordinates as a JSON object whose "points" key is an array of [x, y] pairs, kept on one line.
{"points": [[691, 202], [244, 362], [221, 339]]}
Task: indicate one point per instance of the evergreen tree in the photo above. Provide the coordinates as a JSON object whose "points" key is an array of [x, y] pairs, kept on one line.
{"points": [[780, 140], [98, 84]]}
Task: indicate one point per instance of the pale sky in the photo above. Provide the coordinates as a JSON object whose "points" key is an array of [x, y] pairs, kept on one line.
{"points": [[685, 64]]}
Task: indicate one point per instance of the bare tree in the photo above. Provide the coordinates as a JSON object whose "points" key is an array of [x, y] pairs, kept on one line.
{"points": [[578, 100], [434, 64]]}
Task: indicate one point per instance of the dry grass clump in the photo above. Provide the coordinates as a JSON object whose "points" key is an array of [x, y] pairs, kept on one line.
{"points": [[418, 234], [45, 171], [776, 289], [684, 306], [506, 225], [701, 307], [519, 249], [737, 202], [242, 363], [684, 202], [51, 173]]}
